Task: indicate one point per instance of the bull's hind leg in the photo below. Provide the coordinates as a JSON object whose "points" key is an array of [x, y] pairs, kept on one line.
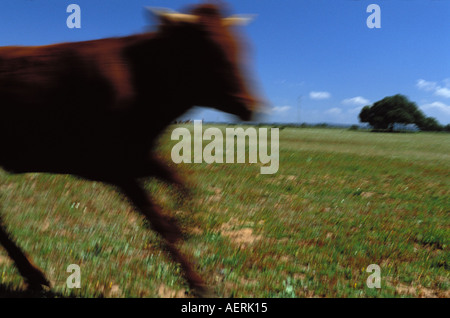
{"points": [[34, 277], [167, 229]]}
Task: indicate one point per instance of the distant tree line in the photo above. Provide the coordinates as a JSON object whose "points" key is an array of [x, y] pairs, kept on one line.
{"points": [[386, 113]]}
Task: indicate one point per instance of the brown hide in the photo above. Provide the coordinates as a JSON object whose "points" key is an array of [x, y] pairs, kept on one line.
{"points": [[95, 108]]}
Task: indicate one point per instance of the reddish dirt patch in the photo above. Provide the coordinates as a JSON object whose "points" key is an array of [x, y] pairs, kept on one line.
{"points": [[242, 236]]}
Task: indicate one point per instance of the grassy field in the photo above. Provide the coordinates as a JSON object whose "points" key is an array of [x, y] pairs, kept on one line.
{"points": [[341, 200]]}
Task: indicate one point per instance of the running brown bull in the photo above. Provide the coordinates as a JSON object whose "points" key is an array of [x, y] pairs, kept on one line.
{"points": [[94, 109]]}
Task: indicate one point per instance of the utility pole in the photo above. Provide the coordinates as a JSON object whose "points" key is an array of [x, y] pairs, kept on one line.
{"points": [[299, 100]]}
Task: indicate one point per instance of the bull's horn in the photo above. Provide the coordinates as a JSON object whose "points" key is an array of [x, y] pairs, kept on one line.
{"points": [[238, 19], [171, 15]]}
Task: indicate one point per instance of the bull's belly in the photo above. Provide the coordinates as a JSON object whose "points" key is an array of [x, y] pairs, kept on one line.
{"points": [[82, 154], [69, 158]]}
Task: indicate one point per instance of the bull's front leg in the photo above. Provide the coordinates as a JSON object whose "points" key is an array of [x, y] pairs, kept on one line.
{"points": [[155, 167], [159, 222], [161, 171], [169, 231], [34, 277]]}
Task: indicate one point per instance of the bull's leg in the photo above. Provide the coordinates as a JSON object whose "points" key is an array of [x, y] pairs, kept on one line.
{"points": [[30, 272], [159, 222], [166, 228], [154, 167]]}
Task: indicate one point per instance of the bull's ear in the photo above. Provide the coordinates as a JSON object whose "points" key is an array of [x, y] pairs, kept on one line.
{"points": [[238, 19], [168, 15]]}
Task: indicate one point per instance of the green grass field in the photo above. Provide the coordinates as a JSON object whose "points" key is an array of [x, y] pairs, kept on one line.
{"points": [[341, 200]]}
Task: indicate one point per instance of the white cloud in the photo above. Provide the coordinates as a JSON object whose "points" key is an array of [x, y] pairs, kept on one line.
{"points": [[275, 110], [280, 109], [442, 91], [356, 101], [426, 85], [437, 106], [319, 95], [334, 111]]}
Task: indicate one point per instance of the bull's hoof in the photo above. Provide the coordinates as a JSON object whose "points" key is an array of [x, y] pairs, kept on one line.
{"points": [[34, 287], [203, 291], [35, 280]]}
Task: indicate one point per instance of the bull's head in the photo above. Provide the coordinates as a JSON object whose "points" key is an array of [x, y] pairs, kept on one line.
{"points": [[215, 64]]}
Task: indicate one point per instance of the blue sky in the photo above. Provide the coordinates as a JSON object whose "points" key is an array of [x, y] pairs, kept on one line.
{"points": [[314, 60]]}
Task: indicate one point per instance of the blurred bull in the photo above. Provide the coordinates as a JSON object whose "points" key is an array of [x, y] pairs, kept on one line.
{"points": [[94, 109]]}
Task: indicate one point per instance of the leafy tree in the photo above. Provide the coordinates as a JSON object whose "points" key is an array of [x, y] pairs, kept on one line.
{"points": [[396, 109], [430, 124]]}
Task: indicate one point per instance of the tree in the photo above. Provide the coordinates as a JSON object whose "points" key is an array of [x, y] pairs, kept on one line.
{"points": [[430, 124], [397, 109]]}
